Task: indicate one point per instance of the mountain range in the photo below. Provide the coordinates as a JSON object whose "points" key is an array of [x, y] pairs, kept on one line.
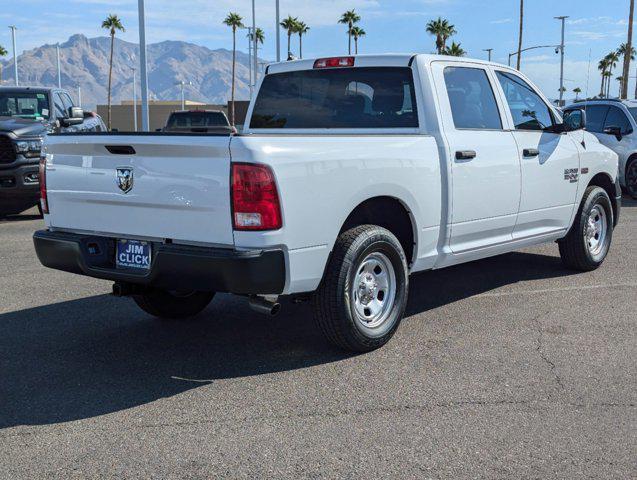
{"points": [[85, 61]]}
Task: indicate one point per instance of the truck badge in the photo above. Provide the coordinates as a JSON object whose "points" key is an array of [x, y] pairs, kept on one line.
{"points": [[125, 179]]}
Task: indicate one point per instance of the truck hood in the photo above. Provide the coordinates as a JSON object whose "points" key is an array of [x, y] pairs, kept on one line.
{"points": [[22, 127]]}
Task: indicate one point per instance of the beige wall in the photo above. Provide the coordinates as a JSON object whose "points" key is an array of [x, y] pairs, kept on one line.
{"points": [[122, 115]]}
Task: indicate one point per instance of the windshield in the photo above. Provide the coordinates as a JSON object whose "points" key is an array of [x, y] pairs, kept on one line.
{"points": [[197, 119], [633, 112], [364, 97], [24, 105]]}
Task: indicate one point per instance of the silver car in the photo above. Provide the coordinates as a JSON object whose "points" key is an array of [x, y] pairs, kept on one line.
{"points": [[614, 123]]}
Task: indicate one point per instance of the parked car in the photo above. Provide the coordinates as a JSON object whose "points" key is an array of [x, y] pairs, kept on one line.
{"points": [[27, 114], [198, 121], [352, 173], [614, 123]]}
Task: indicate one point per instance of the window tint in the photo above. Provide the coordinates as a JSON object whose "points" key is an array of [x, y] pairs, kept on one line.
{"points": [[617, 118], [595, 115], [337, 98], [527, 108], [197, 119], [471, 97], [66, 99], [59, 106]]}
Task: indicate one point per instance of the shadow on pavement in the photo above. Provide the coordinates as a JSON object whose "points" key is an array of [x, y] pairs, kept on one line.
{"points": [[97, 355]]}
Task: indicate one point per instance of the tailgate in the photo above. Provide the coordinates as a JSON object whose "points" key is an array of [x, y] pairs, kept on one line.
{"points": [[141, 186]]}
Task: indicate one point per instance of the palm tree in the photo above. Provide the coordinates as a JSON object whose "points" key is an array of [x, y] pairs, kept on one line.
{"points": [[349, 18], [234, 21], [602, 66], [622, 52], [290, 24], [3, 53], [455, 50], [520, 33], [612, 58], [356, 33], [577, 91], [607, 75], [301, 29], [442, 29], [260, 34], [628, 47], [112, 24]]}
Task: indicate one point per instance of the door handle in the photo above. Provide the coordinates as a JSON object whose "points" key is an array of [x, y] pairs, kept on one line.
{"points": [[530, 152], [465, 154]]}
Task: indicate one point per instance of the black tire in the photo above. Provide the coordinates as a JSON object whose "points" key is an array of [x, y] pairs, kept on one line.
{"points": [[173, 305], [630, 177], [574, 248], [334, 308]]}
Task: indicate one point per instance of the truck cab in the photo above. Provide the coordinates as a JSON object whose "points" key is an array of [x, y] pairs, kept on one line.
{"points": [[27, 115]]}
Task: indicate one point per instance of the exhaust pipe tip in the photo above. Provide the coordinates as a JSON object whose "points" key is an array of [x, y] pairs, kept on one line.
{"points": [[261, 305]]}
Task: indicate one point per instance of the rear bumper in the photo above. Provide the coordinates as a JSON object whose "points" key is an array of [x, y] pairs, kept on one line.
{"points": [[173, 267]]}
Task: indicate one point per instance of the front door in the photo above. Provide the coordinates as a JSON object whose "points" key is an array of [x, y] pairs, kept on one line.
{"points": [[485, 167], [549, 161]]}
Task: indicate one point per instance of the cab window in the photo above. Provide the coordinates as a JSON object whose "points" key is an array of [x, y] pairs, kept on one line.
{"points": [[617, 118], [471, 98], [527, 108], [595, 115]]}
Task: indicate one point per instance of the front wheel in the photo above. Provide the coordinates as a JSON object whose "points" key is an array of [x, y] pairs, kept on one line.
{"points": [[363, 295], [587, 243], [173, 305]]}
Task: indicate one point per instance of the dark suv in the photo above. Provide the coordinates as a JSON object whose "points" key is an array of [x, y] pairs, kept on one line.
{"points": [[27, 114]]}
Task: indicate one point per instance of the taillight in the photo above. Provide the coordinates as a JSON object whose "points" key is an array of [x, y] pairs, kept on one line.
{"points": [[44, 203], [255, 200], [334, 62]]}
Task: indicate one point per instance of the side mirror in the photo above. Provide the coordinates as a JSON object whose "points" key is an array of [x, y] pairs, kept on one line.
{"points": [[616, 131], [75, 117], [574, 120]]}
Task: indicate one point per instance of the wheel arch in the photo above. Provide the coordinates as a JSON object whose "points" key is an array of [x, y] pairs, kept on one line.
{"points": [[390, 213], [604, 180]]}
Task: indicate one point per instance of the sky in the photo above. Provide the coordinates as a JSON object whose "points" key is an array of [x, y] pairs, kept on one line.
{"points": [[593, 29]]}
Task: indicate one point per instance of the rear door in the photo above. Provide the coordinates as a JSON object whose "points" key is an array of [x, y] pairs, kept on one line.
{"points": [[141, 186], [485, 168], [549, 161]]}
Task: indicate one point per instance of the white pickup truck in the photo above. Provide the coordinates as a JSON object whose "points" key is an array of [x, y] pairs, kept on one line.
{"points": [[351, 173]]}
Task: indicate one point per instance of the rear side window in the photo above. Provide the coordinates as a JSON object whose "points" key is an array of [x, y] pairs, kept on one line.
{"points": [[375, 97], [197, 119], [471, 97], [617, 118], [527, 108], [595, 115]]}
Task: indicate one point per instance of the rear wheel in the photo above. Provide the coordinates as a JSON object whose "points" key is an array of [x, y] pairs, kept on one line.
{"points": [[587, 243], [631, 178], [363, 295], [173, 304]]}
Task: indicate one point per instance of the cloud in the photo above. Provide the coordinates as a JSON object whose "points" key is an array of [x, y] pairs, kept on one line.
{"points": [[501, 21]]}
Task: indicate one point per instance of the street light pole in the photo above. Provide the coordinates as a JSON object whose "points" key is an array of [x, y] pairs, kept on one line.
{"points": [[57, 51], [15, 54], [134, 99], [562, 19], [79, 95], [254, 42], [278, 32], [142, 60], [489, 50]]}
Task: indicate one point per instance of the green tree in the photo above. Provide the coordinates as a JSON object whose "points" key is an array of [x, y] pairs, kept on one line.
{"points": [[260, 34], [455, 50], [612, 58], [301, 29], [577, 91], [356, 33], [3, 53], [112, 24], [349, 18], [290, 24], [622, 52], [602, 66], [442, 29], [234, 21]]}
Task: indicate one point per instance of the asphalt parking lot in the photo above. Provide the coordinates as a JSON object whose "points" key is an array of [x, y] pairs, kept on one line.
{"points": [[510, 367]]}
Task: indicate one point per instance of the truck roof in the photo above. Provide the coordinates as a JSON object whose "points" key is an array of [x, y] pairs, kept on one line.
{"points": [[379, 60], [27, 88]]}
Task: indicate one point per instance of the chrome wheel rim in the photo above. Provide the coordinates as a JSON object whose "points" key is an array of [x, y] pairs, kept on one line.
{"points": [[596, 230], [373, 290], [631, 178]]}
